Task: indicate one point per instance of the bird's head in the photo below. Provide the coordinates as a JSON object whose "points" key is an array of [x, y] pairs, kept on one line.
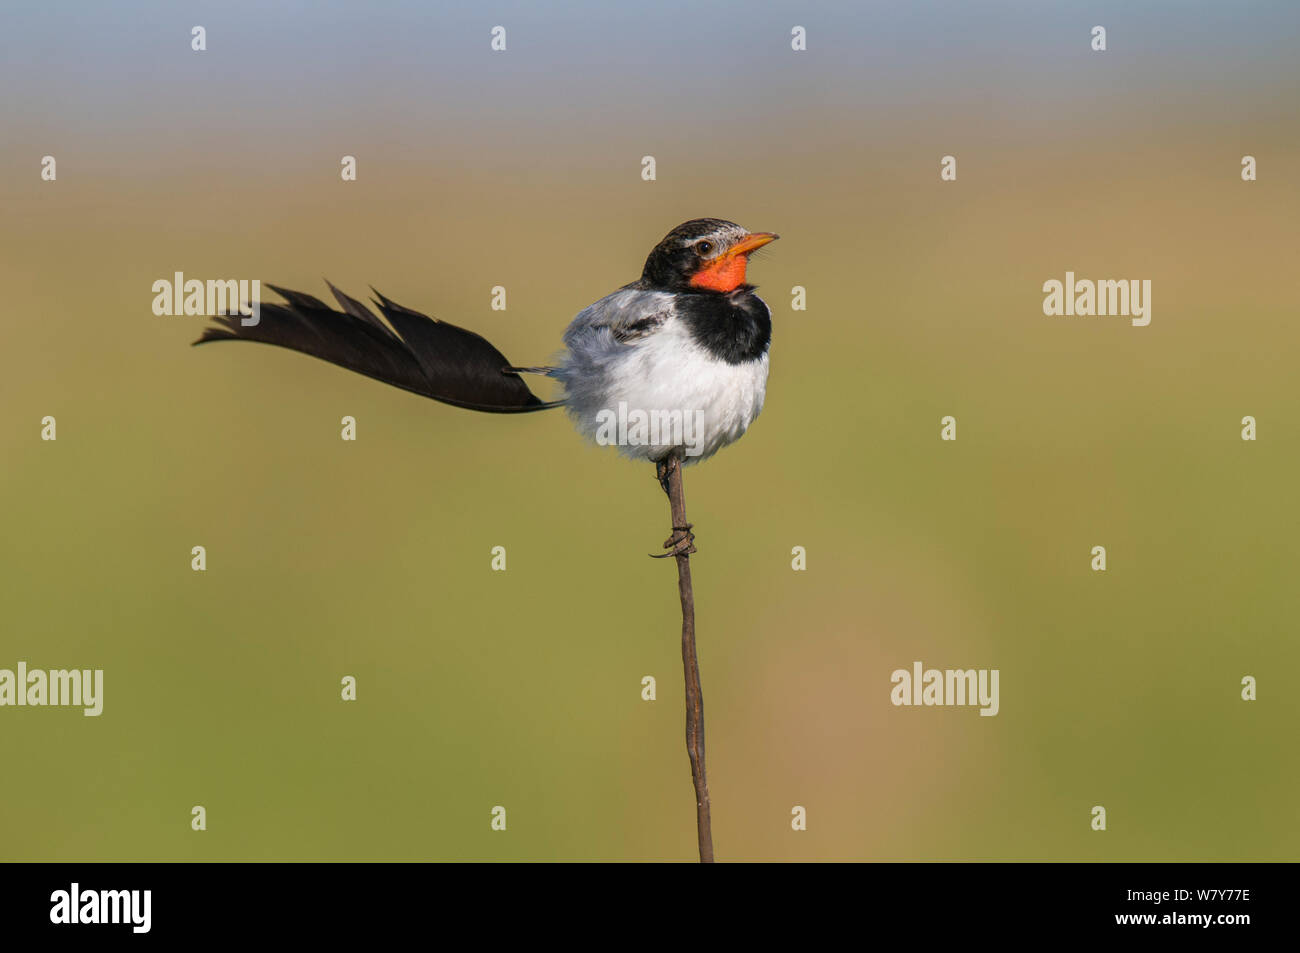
{"points": [[704, 254]]}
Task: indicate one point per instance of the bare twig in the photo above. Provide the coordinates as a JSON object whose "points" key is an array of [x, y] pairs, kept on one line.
{"points": [[681, 544]]}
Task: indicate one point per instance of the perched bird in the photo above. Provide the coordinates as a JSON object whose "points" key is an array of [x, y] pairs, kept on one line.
{"points": [[685, 346]]}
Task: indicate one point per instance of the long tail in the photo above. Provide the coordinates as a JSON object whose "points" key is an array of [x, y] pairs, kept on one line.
{"points": [[412, 351]]}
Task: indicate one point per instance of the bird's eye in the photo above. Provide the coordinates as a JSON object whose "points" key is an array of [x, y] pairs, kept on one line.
{"points": [[703, 248]]}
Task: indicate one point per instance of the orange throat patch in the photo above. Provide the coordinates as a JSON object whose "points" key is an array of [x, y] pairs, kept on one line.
{"points": [[724, 273]]}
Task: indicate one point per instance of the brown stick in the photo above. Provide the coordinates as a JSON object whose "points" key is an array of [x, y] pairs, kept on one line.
{"points": [[690, 663]]}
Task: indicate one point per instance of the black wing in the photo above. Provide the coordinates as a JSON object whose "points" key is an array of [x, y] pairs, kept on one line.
{"points": [[412, 351]]}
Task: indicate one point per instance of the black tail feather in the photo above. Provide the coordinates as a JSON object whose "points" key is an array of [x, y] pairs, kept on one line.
{"points": [[412, 351]]}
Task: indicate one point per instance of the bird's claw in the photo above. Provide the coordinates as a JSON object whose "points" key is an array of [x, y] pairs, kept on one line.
{"points": [[661, 474], [681, 543]]}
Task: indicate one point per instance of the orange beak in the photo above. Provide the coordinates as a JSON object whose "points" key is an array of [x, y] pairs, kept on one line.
{"points": [[726, 273], [755, 241]]}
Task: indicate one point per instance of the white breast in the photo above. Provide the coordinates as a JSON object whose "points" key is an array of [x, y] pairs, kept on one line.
{"points": [[667, 377]]}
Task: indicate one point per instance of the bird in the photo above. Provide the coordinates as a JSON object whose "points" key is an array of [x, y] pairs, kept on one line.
{"points": [[685, 346]]}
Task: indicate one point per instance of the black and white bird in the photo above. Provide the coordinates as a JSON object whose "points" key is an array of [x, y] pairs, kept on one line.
{"points": [[686, 344]]}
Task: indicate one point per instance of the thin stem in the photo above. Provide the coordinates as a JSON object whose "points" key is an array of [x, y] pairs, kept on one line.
{"points": [[691, 668]]}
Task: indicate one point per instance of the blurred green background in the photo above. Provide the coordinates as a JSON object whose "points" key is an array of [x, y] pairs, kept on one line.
{"points": [[522, 688]]}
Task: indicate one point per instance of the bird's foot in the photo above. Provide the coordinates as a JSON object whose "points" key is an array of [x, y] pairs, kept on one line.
{"points": [[681, 543], [662, 471]]}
